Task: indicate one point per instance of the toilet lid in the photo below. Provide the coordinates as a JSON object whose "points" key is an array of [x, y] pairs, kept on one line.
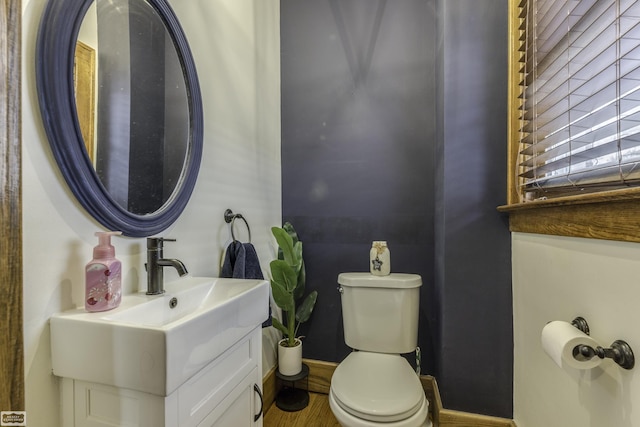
{"points": [[377, 387]]}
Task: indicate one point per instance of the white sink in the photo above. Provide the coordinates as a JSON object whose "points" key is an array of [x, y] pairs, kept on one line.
{"points": [[148, 346]]}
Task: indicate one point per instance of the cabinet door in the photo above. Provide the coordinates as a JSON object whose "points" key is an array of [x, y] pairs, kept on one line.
{"points": [[240, 407], [98, 405]]}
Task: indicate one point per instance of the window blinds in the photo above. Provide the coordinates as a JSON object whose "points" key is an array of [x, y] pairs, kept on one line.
{"points": [[580, 106]]}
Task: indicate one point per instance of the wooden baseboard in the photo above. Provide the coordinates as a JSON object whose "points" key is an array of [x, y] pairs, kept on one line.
{"points": [[451, 418], [320, 374]]}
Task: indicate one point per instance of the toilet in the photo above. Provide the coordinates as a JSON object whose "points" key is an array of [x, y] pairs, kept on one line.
{"points": [[374, 385]]}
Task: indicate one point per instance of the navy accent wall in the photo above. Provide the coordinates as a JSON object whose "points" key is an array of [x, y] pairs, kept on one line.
{"points": [[373, 148], [473, 255]]}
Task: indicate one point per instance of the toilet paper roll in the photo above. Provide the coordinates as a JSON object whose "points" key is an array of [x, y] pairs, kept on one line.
{"points": [[560, 338]]}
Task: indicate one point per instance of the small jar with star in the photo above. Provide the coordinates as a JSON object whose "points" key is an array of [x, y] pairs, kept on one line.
{"points": [[380, 259]]}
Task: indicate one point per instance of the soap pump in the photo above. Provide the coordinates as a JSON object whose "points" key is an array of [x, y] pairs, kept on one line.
{"points": [[103, 275]]}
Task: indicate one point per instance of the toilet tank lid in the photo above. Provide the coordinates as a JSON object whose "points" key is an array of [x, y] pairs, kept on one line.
{"points": [[368, 280]]}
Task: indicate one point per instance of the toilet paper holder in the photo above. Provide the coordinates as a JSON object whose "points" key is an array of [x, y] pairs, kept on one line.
{"points": [[620, 351]]}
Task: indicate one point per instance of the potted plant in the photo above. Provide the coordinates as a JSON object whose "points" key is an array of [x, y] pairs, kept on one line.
{"points": [[287, 286]]}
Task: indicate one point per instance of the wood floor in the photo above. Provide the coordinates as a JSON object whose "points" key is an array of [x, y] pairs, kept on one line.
{"points": [[317, 414]]}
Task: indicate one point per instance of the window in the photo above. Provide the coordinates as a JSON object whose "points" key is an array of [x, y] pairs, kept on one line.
{"points": [[575, 118]]}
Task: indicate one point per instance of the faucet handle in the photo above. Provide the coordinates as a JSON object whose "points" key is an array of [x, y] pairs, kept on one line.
{"points": [[156, 242]]}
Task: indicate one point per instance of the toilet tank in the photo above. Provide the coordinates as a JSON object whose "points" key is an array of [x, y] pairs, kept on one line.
{"points": [[380, 313]]}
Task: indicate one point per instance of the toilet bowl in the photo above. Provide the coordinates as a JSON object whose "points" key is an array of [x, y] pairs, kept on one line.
{"points": [[373, 389], [374, 385]]}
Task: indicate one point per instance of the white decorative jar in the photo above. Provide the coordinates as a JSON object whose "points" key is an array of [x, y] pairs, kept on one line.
{"points": [[380, 259]]}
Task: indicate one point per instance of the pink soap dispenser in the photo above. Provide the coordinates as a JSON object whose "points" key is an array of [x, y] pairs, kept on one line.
{"points": [[103, 275]]}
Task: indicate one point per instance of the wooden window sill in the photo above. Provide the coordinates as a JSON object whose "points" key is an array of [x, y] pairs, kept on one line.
{"points": [[609, 215]]}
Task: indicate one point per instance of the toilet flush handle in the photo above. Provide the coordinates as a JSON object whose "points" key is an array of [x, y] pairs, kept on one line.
{"points": [[340, 289]]}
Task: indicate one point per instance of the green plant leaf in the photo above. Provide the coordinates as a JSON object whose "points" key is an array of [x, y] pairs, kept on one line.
{"points": [[290, 231], [283, 281], [283, 298], [279, 326], [302, 280], [285, 243], [297, 256], [306, 308], [284, 275]]}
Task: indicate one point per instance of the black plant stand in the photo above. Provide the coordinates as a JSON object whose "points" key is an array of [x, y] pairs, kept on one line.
{"points": [[289, 397]]}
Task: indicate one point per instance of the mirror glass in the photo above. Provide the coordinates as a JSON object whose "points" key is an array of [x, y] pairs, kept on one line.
{"points": [[131, 102], [121, 105]]}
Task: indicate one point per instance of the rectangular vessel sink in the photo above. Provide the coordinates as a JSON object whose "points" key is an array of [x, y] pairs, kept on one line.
{"points": [[155, 343]]}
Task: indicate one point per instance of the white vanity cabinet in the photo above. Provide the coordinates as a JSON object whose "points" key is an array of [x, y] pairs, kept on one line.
{"points": [[226, 392]]}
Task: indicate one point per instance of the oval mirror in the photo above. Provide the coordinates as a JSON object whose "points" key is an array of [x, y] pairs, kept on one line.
{"points": [[121, 106]]}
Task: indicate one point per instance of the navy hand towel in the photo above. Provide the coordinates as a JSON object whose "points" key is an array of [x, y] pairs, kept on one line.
{"points": [[241, 262]]}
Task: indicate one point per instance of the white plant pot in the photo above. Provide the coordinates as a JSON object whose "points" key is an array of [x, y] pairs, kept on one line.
{"points": [[290, 358]]}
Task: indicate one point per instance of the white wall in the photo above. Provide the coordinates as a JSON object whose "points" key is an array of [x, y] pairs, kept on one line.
{"points": [[558, 278], [236, 48]]}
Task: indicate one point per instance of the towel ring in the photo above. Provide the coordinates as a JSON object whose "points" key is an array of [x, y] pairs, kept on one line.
{"points": [[230, 218]]}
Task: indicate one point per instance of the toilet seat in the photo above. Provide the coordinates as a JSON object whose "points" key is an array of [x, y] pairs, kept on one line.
{"points": [[377, 387]]}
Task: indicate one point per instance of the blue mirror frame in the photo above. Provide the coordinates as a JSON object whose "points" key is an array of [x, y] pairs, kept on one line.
{"points": [[55, 53]]}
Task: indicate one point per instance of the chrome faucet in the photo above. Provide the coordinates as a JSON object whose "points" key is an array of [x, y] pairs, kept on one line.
{"points": [[156, 263]]}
